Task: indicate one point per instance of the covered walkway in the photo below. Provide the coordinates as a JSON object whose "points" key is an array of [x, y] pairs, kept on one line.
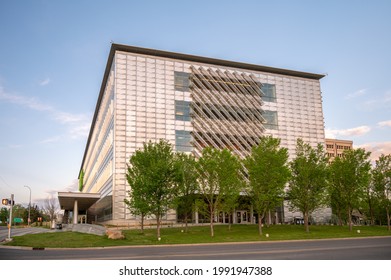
{"points": [[77, 203]]}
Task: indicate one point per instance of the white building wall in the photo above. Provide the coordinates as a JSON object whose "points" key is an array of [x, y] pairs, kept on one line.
{"points": [[299, 110], [144, 110], [98, 163]]}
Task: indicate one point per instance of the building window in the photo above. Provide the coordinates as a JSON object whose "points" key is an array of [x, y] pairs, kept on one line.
{"points": [[271, 119], [181, 81], [182, 141], [269, 92], [182, 110]]}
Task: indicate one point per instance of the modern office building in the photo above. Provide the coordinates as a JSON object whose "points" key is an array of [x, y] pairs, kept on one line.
{"points": [[335, 148], [192, 102]]}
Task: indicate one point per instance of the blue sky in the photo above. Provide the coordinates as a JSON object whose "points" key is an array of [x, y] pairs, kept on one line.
{"points": [[53, 55]]}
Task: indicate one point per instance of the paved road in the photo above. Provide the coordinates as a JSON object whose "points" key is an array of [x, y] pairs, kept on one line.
{"points": [[20, 231], [378, 248]]}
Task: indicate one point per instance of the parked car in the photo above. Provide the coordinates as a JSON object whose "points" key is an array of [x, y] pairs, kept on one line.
{"points": [[300, 221]]}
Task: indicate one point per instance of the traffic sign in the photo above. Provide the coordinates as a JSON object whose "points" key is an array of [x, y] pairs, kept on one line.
{"points": [[18, 220]]}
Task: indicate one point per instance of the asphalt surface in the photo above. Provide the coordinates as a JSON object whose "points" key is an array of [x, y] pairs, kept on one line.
{"points": [[374, 248], [20, 231]]}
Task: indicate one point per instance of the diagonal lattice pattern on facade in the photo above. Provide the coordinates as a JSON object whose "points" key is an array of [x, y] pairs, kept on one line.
{"points": [[226, 110]]}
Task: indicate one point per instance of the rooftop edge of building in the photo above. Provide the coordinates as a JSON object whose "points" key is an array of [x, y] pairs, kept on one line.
{"points": [[207, 60]]}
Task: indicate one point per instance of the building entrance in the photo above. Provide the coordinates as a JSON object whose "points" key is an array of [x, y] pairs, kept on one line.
{"points": [[241, 217]]}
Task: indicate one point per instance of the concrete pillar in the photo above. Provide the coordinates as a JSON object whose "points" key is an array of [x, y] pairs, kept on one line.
{"points": [[196, 217], [251, 214], [75, 211]]}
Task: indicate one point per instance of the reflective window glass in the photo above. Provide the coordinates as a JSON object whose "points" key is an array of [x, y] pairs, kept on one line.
{"points": [[181, 81], [269, 92], [182, 141], [182, 110], [271, 119]]}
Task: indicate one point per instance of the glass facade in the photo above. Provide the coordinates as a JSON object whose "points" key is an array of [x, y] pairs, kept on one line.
{"points": [[182, 141], [181, 81], [182, 110], [271, 119], [269, 92]]}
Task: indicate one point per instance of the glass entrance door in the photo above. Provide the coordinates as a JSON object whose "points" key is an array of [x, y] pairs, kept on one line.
{"points": [[241, 216]]}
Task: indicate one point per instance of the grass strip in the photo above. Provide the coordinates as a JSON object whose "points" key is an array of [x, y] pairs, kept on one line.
{"points": [[195, 235]]}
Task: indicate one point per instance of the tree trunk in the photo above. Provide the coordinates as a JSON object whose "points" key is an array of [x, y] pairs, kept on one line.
{"points": [[388, 219], [269, 218], [186, 217], [260, 217], [339, 214], [229, 222], [350, 219], [306, 226], [158, 225], [371, 212], [212, 233], [142, 222]]}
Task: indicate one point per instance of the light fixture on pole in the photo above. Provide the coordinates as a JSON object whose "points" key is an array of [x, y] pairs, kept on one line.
{"points": [[28, 219]]}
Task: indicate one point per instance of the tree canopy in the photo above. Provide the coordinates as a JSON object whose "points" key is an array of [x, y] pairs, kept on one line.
{"points": [[268, 172], [350, 176], [186, 179], [307, 187], [151, 176], [381, 175], [218, 176]]}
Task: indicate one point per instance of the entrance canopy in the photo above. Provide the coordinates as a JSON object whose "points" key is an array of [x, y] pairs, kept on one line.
{"points": [[84, 200]]}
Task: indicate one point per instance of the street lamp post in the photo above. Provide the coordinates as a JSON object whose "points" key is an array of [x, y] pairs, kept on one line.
{"points": [[28, 219]]}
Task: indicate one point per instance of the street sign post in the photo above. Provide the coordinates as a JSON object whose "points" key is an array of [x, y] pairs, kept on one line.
{"points": [[10, 219]]}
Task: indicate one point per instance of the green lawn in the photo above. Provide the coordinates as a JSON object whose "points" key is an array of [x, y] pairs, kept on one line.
{"points": [[199, 234]]}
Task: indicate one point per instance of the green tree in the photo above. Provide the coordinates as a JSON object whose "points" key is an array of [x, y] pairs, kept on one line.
{"points": [[231, 194], [381, 180], [352, 180], [268, 172], [218, 174], [4, 215], [151, 176], [138, 202], [307, 187], [186, 177], [370, 204], [336, 199]]}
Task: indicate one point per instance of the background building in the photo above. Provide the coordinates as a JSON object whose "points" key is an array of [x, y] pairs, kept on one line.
{"points": [[335, 148], [192, 102]]}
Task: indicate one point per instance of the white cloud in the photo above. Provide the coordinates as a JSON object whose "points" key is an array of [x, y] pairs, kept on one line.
{"points": [[72, 187], [384, 123], [29, 102], [79, 123], [357, 93], [376, 148], [65, 117], [44, 82], [51, 140], [80, 131], [356, 131], [382, 102]]}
